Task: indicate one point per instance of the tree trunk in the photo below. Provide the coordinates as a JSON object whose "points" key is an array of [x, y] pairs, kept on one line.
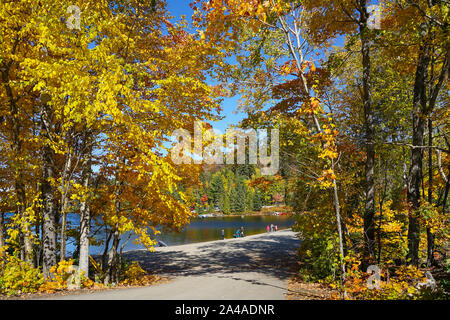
{"points": [[423, 105], [105, 251], [415, 173], [110, 275], [298, 57], [65, 185], [380, 221], [62, 252], [48, 208], [430, 235], [369, 210], [2, 240], [112, 258], [85, 214], [444, 205], [338, 222]]}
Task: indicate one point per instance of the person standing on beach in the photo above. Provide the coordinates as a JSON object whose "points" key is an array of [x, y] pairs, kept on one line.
{"points": [[223, 234], [268, 228], [271, 227], [242, 231], [276, 228]]}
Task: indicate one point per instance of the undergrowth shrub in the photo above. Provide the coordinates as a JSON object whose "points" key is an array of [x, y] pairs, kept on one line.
{"points": [[17, 276]]}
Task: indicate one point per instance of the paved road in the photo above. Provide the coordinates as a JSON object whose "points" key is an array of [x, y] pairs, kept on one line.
{"points": [[255, 267]]}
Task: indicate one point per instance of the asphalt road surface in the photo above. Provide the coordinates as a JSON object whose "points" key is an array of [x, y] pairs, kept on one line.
{"points": [[254, 267]]}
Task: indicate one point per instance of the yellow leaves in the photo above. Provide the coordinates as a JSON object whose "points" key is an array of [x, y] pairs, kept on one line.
{"points": [[315, 104], [79, 192], [17, 276], [312, 66], [328, 174], [288, 67], [328, 154], [61, 275], [202, 35]]}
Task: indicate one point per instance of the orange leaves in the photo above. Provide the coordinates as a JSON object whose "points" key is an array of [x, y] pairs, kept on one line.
{"points": [[289, 67], [327, 175], [315, 104], [311, 65], [264, 183]]}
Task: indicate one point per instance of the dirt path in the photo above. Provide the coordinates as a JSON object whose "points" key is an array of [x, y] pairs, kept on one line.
{"points": [[255, 267]]}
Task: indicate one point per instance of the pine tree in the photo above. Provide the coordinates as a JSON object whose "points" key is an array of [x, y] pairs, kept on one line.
{"points": [[249, 200], [216, 188], [257, 200], [224, 203]]}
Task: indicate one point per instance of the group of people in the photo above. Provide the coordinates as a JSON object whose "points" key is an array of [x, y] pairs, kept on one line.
{"points": [[239, 233]]}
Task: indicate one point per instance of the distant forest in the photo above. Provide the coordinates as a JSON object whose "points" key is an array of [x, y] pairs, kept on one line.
{"points": [[237, 189]]}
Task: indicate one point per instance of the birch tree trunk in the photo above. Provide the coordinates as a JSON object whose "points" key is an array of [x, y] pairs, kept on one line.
{"points": [[65, 184], [85, 214], [48, 208], [297, 54], [339, 227]]}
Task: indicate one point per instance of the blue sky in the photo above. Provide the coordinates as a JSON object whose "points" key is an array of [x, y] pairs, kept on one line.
{"points": [[177, 8]]}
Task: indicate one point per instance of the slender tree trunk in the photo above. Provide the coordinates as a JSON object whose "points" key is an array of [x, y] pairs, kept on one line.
{"points": [[415, 172], [339, 227], [65, 200], [380, 222], [112, 258], [444, 205], [119, 266], [2, 240], [85, 214], [430, 235], [105, 251], [369, 210], [39, 228], [48, 194], [62, 252], [298, 56]]}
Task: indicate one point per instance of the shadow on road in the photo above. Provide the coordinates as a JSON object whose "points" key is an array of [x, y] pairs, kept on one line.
{"points": [[273, 256]]}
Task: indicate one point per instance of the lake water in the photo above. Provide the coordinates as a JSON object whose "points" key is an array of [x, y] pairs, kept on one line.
{"points": [[199, 230], [208, 229]]}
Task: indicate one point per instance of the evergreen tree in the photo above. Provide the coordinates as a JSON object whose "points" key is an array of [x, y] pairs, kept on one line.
{"points": [[257, 200], [249, 200], [216, 188], [224, 203], [238, 195]]}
